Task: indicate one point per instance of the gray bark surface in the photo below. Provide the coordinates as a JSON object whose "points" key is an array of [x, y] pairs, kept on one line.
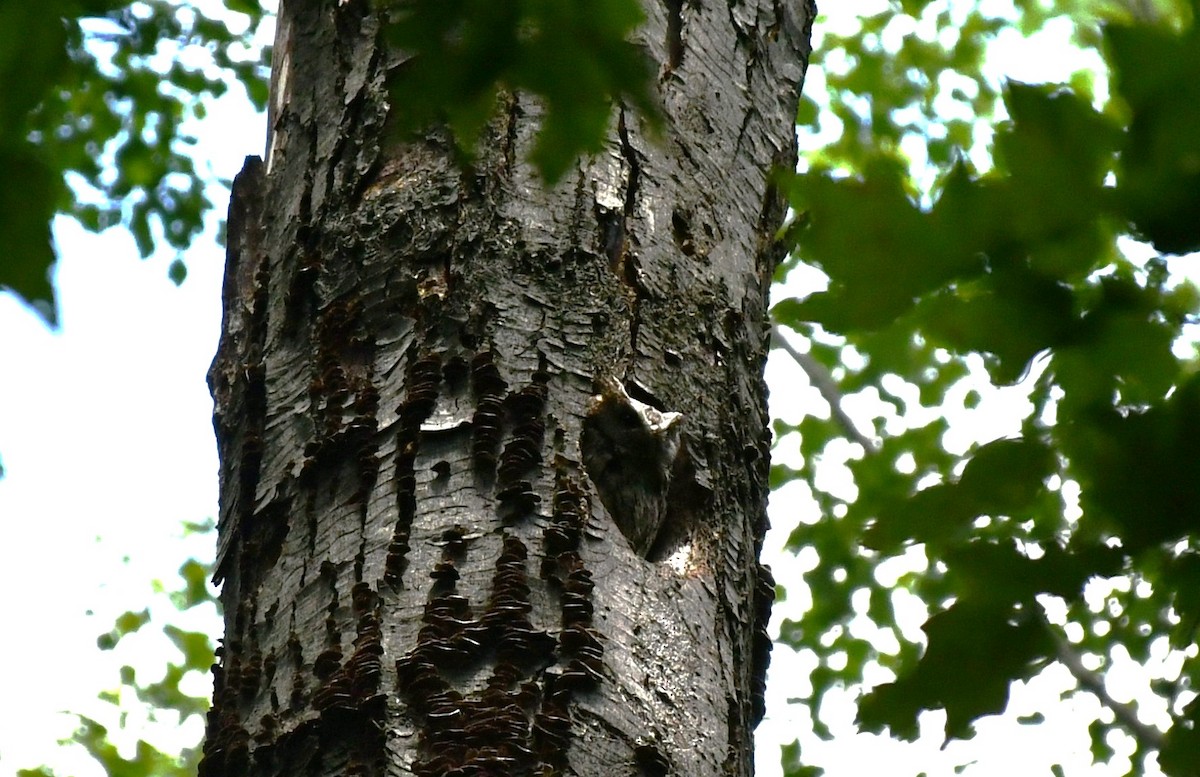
{"points": [[420, 575]]}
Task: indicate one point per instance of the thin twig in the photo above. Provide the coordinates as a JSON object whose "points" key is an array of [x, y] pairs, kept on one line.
{"points": [[823, 382], [1126, 714]]}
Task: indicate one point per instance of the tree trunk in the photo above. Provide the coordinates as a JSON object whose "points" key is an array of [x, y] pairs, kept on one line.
{"points": [[463, 530]]}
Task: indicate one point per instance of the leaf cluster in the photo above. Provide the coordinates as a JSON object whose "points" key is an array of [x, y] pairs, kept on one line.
{"points": [[93, 122], [1016, 275], [165, 701], [575, 58]]}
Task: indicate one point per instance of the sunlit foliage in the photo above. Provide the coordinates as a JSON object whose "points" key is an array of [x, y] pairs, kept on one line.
{"points": [[99, 97], [1007, 243]]}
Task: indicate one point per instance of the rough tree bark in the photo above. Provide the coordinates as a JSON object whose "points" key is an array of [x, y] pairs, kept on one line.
{"points": [[422, 568]]}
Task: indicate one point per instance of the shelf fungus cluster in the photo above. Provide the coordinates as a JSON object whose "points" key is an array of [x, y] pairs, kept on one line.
{"points": [[487, 688], [466, 505], [423, 379]]}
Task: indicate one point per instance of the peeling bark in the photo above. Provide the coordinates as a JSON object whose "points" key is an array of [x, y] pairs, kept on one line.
{"points": [[419, 574]]}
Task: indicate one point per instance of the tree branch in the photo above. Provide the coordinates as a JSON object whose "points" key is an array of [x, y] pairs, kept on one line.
{"points": [[1126, 714], [823, 382], [1148, 736]]}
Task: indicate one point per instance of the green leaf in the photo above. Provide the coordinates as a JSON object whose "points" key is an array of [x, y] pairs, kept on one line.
{"points": [[195, 577], [1137, 470], [71, 101], [807, 112], [1157, 72], [1006, 475], [969, 640], [792, 766], [1102, 752], [1010, 312], [999, 574], [1002, 478], [196, 647], [126, 623], [1057, 150], [177, 272], [1181, 746], [29, 192], [880, 251], [471, 56], [1183, 577]]}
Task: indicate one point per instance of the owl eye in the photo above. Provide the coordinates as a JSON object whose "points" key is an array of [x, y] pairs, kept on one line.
{"points": [[626, 418]]}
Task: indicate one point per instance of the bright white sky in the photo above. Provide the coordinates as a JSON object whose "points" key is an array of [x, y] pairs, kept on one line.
{"points": [[106, 438]]}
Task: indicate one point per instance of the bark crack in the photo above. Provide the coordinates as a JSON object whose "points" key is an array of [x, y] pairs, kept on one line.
{"points": [[628, 264], [509, 149], [674, 41]]}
